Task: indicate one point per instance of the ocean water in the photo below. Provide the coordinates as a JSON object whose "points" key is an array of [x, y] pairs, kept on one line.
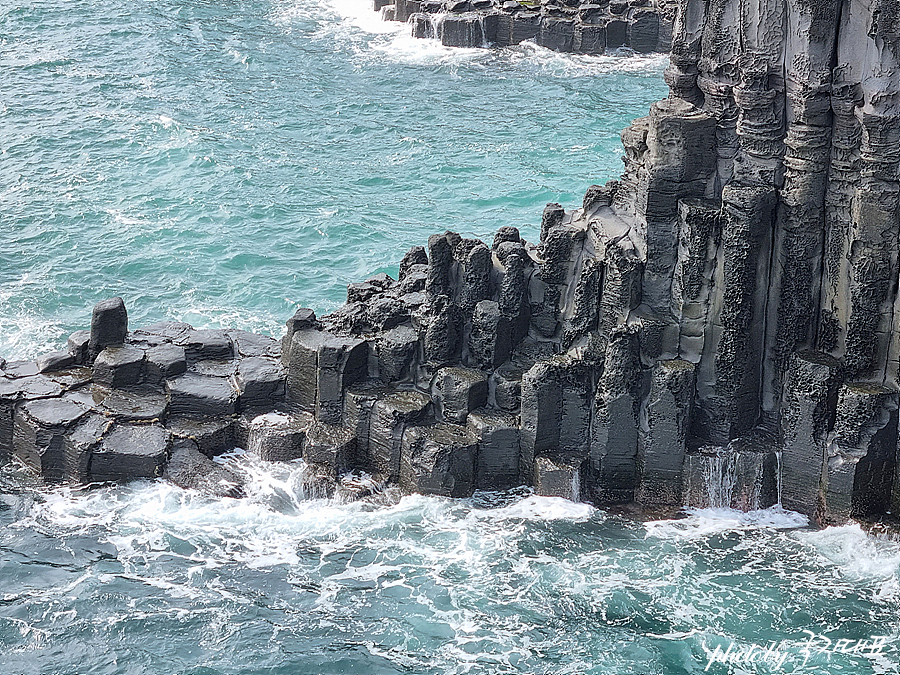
{"points": [[223, 163], [149, 578]]}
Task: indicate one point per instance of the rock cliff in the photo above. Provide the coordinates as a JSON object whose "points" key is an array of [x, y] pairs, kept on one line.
{"points": [[581, 26], [718, 327]]}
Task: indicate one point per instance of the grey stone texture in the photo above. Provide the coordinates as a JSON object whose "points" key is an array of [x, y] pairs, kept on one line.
{"points": [[109, 326], [497, 433], [131, 451], [278, 437], [189, 468], [438, 459], [582, 27], [119, 366]]}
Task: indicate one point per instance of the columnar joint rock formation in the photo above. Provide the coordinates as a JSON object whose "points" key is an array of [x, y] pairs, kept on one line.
{"points": [[580, 26], [719, 327]]}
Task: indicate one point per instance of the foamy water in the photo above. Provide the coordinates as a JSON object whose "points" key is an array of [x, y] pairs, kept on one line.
{"points": [[503, 582]]}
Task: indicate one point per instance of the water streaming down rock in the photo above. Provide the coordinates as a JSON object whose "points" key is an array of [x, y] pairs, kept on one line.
{"points": [[731, 478], [452, 30], [735, 290]]}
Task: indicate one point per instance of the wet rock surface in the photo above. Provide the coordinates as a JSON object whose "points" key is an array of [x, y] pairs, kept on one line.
{"points": [[583, 27]]}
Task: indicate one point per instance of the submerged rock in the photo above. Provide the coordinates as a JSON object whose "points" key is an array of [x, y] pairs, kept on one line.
{"points": [[191, 469]]}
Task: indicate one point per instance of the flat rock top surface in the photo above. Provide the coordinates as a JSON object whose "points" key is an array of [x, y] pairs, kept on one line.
{"points": [[144, 440], [54, 411]]}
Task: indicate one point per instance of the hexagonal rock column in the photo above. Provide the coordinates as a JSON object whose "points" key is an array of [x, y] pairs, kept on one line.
{"points": [[457, 391], [396, 350], [358, 402], [555, 410], [558, 475], [664, 431], [490, 340], [301, 361], [119, 366], [497, 434], [135, 404], [164, 362], [109, 326], [329, 447], [260, 383], [210, 436], [303, 319], [131, 451], [275, 437], [438, 459], [390, 416], [39, 434], [810, 395], [193, 395], [13, 391], [319, 367], [341, 362], [614, 428], [206, 345], [80, 443], [861, 453]]}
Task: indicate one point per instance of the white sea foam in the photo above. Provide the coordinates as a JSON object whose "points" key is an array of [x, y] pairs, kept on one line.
{"points": [[701, 523], [858, 554], [543, 508], [393, 40]]}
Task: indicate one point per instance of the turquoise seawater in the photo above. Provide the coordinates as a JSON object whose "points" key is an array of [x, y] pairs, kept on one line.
{"points": [[223, 163]]}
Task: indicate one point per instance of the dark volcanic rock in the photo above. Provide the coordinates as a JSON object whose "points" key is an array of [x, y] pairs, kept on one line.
{"points": [[201, 345], [121, 366], [165, 362], [330, 447], [80, 443], [277, 437], [130, 451], [497, 434], [132, 404], [39, 434], [730, 301], [458, 391], [194, 395], [56, 361], [211, 437], [260, 383], [109, 326], [190, 469], [389, 418], [438, 459]]}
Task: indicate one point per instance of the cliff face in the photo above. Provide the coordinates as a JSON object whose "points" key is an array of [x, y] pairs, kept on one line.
{"points": [[761, 200], [719, 327]]}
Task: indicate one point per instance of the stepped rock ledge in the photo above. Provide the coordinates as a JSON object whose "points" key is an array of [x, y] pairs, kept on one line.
{"points": [[580, 26], [721, 326]]}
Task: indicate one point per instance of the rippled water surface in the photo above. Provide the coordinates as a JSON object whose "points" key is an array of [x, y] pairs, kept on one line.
{"points": [[222, 163], [150, 578]]}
